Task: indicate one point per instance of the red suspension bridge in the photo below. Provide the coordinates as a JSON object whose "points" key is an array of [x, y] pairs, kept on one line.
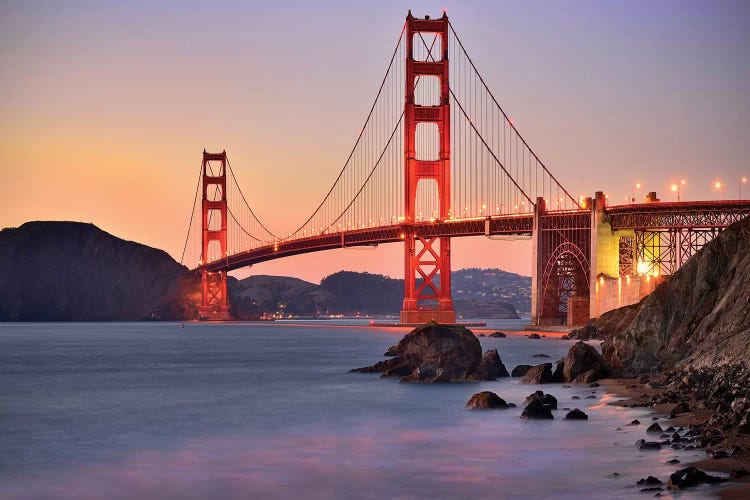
{"points": [[438, 158]]}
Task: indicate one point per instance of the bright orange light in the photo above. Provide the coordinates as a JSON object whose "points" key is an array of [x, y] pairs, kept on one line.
{"points": [[717, 185], [744, 180], [638, 186], [674, 188]]}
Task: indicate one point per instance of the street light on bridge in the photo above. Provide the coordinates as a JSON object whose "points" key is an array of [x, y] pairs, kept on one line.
{"points": [[676, 188], [636, 189], [718, 186], [742, 181]]}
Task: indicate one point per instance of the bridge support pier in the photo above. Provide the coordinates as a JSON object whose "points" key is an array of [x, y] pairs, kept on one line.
{"points": [[214, 296], [427, 272]]}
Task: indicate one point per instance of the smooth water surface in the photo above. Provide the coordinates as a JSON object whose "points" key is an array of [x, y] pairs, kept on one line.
{"points": [[259, 410]]}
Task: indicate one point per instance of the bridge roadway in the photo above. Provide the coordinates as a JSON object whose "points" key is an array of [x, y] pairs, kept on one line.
{"points": [[643, 216]]}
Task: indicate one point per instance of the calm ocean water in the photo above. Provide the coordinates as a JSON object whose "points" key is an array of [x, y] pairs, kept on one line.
{"points": [[152, 410]]}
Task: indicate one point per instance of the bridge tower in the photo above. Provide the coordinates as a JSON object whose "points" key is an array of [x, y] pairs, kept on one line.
{"points": [[215, 300], [427, 283]]}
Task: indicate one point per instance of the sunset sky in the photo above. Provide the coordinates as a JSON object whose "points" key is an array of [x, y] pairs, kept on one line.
{"points": [[105, 107]]}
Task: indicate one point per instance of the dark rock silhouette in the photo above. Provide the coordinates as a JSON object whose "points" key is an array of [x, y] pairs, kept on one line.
{"points": [[536, 409], [491, 367], [520, 370], [576, 414], [539, 374], [580, 360], [486, 400], [433, 353], [690, 476]]}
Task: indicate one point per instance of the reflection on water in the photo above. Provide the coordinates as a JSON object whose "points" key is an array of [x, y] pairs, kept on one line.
{"points": [[269, 411]]}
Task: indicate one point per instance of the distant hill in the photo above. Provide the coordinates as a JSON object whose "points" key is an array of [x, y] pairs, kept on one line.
{"points": [[348, 292], [482, 288], [71, 271]]}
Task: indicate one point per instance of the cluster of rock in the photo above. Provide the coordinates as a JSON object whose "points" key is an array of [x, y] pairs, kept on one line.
{"points": [[724, 391], [583, 364], [539, 406], [683, 478], [439, 353]]}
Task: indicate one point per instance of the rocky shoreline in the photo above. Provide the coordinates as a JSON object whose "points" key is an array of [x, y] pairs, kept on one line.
{"points": [[727, 449]]}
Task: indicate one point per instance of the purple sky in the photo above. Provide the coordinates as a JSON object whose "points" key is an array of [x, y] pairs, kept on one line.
{"points": [[105, 107]]}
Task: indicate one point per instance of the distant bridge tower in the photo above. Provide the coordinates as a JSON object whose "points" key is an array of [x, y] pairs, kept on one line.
{"points": [[215, 300], [427, 283]]}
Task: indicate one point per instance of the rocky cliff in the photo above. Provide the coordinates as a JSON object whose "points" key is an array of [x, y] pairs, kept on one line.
{"points": [[71, 271], [700, 317]]}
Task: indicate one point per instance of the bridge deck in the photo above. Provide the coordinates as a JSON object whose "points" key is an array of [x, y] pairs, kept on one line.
{"points": [[643, 216], [520, 224]]}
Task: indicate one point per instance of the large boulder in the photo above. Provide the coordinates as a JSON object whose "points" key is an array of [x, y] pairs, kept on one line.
{"points": [[520, 370], [539, 374], [547, 399], [583, 358], [536, 410], [491, 367], [576, 414], [486, 400], [690, 476], [433, 353]]}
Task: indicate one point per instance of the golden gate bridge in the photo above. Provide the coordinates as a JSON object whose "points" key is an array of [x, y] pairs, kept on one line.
{"points": [[438, 158]]}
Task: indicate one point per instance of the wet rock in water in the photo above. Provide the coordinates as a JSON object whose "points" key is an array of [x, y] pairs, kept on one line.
{"points": [[652, 488], [672, 462], [596, 384], [649, 446], [391, 351], [590, 397], [681, 407], [649, 481], [539, 374], [654, 428], [491, 367], [576, 397], [379, 367], [690, 476], [635, 422], [536, 410], [583, 358], [520, 370], [486, 400], [534, 336], [433, 353], [481, 335], [498, 335], [576, 414], [564, 337], [546, 399], [541, 356]]}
